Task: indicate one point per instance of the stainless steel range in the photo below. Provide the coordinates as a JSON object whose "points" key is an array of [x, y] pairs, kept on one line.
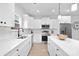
{"points": [[45, 32]]}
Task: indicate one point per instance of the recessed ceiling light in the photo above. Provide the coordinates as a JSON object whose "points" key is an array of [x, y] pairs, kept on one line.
{"points": [[68, 10], [59, 16], [53, 10], [37, 11]]}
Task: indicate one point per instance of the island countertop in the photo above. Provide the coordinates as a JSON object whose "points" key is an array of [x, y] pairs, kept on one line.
{"points": [[70, 46], [9, 44]]}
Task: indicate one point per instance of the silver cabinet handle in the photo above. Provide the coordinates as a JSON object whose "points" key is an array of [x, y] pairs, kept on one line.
{"points": [[57, 49], [18, 52], [17, 49], [56, 55]]}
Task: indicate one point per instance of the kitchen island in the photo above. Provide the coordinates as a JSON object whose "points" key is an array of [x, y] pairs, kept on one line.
{"points": [[16, 47], [67, 47]]}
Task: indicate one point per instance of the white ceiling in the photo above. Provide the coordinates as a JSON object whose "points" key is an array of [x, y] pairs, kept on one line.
{"points": [[46, 9]]}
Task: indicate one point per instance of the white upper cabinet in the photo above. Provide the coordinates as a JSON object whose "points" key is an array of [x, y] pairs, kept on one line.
{"points": [[7, 12], [65, 19]]}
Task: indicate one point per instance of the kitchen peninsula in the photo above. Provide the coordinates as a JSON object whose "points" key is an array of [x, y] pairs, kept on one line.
{"points": [[16, 47], [67, 47]]}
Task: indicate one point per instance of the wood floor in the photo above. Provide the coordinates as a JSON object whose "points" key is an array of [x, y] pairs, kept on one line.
{"points": [[39, 50]]}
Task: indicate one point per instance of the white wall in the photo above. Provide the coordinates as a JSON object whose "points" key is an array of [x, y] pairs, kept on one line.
{"points": [[75, 33], [20, 12], [7, 11]]}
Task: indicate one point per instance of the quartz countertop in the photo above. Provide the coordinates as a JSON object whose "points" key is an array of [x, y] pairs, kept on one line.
{"points": [[70, 46], [9, 44]]}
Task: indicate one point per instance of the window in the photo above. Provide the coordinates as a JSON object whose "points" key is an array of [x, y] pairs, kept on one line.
{"points": [[74, 7]]}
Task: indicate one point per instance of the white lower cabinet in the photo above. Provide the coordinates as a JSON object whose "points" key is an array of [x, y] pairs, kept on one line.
{"points": [[22, 49], [37, 38], [51, 48], [55, 50]]}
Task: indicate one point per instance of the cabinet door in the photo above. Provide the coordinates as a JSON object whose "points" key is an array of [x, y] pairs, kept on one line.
{"points": [[25, 48], [23, 51], [37, 38], [51, 47], [59, 51]]}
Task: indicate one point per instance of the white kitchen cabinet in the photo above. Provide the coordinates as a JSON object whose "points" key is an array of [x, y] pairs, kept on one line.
{"points": [[25, 48], [59, 51], [51, 48], [22, 49], [55, 50], [37, 38], [7, 12]]}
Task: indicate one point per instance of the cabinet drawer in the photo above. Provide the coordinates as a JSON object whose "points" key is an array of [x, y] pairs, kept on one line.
{"points": [[60, 52]]}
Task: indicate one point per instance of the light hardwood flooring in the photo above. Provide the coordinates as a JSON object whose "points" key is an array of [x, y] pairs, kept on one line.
{"points": [[39, 49]]}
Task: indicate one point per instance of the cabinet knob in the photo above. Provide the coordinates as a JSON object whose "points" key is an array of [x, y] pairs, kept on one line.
{"points": [[4, 22], [17, 49]]}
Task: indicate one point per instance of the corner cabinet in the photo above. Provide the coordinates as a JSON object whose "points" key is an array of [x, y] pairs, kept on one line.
{"points": [[55, 50], [7, 12], [22, 49]]}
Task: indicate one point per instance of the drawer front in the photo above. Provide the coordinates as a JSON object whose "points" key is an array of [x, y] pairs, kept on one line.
{"points": [[60, 52]]}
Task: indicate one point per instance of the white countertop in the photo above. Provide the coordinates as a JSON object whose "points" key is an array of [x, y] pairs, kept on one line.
{"points": [[8, 44], [70, 46]]}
